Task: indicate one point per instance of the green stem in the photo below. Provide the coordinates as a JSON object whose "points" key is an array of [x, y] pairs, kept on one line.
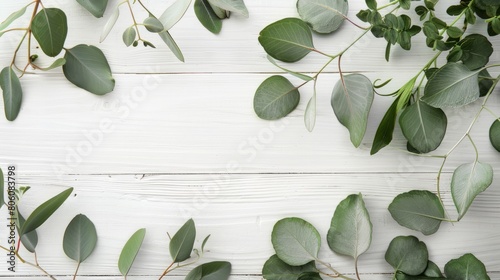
{"points": [[133, 19], [387, 5]]}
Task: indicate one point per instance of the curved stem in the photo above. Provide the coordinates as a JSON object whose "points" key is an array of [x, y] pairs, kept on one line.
{"points": [[335, 274], [133, 19], [356, 268], [167, 270]]}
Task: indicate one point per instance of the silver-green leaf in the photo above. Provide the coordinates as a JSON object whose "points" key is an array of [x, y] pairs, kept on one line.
{"points": [[210, 271], [423, 126], [110, 24], [57, 63], [352, 98], [418, 210], [80, 238], [130, 250], [12, 17], [324, 16], [295, 241], [276, 269], [50, 28], [12, 93], [153, 24], [235, 6], [350, 231], [275, 98], [288, 40], [129, 36], [467, 267], [310, 113], [87, 68], [453, 85], [171, 44], [407, 254], [182, 242], [174, 13], [467, 182], [207, 16], [95, 7]]}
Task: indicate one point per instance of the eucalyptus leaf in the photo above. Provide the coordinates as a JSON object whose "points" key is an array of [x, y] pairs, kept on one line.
{"points": [[211, 271], [221, 13], [182, 242], [485, 82], [235, 6], [50, 28], [30, 239], [87, 68], [57, 63], [95, 7], [207, 16], [467, 182], [495, 134], [452, 85], [418, 210], [12, 93], [129, 36], [423, 126], [44, 211], [153, 24], [352, 98], [295, 241], [288, 40], [433, 270], [130, 250], [171, 44], [408, 255], [204, 243], [477, 50], [275, 98], [174, 13], [350, 230], [80, 238], [310, 276], [110, 24], [324, 16], [276, 269], [383, 136], [12, 17], [293, 73], [310, 113], [467, 267]]}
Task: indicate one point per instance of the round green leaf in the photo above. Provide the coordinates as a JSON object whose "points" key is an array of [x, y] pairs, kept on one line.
{"points": [[276, 269], [275, 98], [351, 101], [423, 126], [152, 24], [12, 93], [129, 36], [495, 135], [477, 50], [467, 267], [324, 16], [50, 28], [467, 182], [451, 86], [87, 68], [207, 16], [295, 241], [288, 40], [235, 6], [80, 238], [418, 210], [211, 271], [182, 242], [408, 255], [95, 7], [350, 231], [130, 250]]}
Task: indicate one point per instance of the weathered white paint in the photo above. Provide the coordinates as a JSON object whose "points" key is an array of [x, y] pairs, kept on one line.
{"points": [[181, 140]]}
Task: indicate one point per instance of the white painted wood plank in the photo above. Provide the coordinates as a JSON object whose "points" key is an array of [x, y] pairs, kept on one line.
{"points": [[204, 123], [240, 211], [235, 49]]}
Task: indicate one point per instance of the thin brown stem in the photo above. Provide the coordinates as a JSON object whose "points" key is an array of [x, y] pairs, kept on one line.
{"points": [[167, 270], [133, 19], [76, 271]]}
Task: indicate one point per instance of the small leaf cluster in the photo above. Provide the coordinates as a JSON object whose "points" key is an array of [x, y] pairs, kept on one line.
{"points": [[297, 244]]}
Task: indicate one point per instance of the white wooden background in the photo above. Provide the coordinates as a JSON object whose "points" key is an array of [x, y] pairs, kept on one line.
{"points": [[179, 140]]}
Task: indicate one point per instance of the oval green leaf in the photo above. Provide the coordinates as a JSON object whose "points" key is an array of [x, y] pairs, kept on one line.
{"points": [[207, 16], [352, 98], [467, 182], [275, 98], [12, 93], [288, 40], [350, 230], [44, 211], [324, 16], [57, 63], [423, 126], [129, 36], [80, 238], [453, 85], [408, 255], [235, 6], [182, 242], [30, 239], [210, 271], [153, 24], [12, 17], [110, 24], [50, 28], [383, 136], [171, 44], [174, 13], [418, 210], [130, 250], [276, 269], [495, 135], [87, 68], [467, 267], [477, 50], [95, 7], [295, 241]]}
